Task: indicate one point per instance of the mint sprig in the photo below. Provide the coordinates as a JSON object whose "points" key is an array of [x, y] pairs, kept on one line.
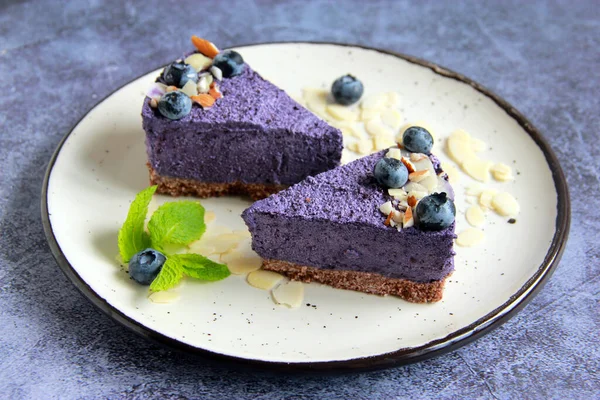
{"points": [[174, 223], [179, 222], [193, 265], [132, 237]]}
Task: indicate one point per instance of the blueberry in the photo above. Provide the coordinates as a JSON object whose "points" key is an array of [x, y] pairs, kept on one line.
{"points": [[175, 105], [229, 62], [390, 173], [178, 74], [145, 266], [347, 90], [435, 212], [417, 140]]}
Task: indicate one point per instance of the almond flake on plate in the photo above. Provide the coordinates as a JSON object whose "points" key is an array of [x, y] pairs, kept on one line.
{"points": [[391, 118], [363, 146], [393, 99], [342, 113], [452, 171], [478, 169], [376, 101], [242, 259], [475, 215], [383, 141], [367, 114], [505, 204], [478, 145], [289, 293], [485, 198], [470, 237], [502, 172], [265, 280], [209, 216], [164, 297]]}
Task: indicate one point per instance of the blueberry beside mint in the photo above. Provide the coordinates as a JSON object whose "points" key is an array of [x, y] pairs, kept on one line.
{"points": [[145, 266], [347, 90], [390, 173], [175, 105], [229, 62], [417, 140], [178, 74], [435, 212]]}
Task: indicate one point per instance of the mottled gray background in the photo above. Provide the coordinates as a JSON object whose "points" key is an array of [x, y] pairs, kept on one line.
{"points": [[57, 59]]}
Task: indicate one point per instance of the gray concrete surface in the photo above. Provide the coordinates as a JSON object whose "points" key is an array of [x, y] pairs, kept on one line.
{"points": [[57, 59]]}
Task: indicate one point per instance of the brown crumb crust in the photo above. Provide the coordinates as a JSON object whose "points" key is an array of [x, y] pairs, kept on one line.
{"points": [[190, 187], [366, 282]]}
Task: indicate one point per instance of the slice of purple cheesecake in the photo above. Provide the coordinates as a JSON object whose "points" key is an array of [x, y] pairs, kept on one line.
{"points": [[343, 229], [249, 138]]}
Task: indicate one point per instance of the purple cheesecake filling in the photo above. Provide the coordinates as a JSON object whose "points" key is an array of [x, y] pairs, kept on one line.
{"points": [[332, 221], [255, 133]]}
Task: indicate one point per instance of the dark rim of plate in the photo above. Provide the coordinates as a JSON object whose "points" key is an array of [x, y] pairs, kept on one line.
{"points": [[401, 356]]}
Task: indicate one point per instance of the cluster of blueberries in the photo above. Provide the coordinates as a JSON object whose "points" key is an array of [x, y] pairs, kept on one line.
{"points": [[176, 105]]}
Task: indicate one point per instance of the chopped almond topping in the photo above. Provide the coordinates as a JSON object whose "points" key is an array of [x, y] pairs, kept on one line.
{"points": [[171, 89], [205, 47], [412, 201], [388, 219], [205, 100], [400, 146], [214, 92], [417, 157], [409, 166], [418, 176], [408, 218]]}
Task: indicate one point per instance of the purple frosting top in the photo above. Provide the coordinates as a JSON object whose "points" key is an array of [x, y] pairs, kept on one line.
{"points": [[248, 102], [347, 194]]}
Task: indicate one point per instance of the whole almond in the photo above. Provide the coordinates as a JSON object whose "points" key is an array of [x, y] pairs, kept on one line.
{"points": [[205, 47]]}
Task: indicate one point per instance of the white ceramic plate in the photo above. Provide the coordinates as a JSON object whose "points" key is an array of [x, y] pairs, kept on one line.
{"points": [[100, 166]]}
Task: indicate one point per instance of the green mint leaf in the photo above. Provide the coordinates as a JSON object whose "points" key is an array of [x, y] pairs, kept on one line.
{"points": [[180, 222], [200, 267], [169, 275], [132, 237]]}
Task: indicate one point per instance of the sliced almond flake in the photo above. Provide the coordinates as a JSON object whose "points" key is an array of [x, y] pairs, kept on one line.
{"points": [[364, 146], [382, 141], [342, 113], [216, 72], [474, 190], [502, 172], [408, 164], [240, 263], [459, 149], [367, 114], [408, 219], [414, 157], [414, 187], [224, 242], [386, 208], [478, 145], [203, 85], [485, 198], [505, 204], [202, 247], [376, 101], [452, 171], [394, 153], [470, 237], [375, 127], [430, 183], [393, 99], [391, 118], [198, 61], [500, 177], [478, 169], [398, 194], [265, 280], [352, 131], [209, 217], [164, 297], [289, 293], [475, 215]]}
